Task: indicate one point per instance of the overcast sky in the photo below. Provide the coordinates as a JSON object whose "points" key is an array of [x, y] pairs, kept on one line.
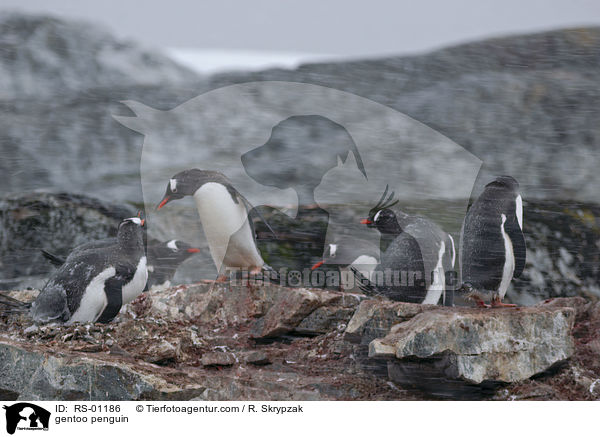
{"points": [[337, 27]]}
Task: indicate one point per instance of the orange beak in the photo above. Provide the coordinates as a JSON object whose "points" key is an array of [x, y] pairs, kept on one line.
{"points": [[366, 222], [193, 250], [143, 222], [317, 265], [163, 202]]}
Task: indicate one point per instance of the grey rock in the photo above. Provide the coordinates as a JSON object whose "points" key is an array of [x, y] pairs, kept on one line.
{"points": [[217, 359], [537, 90], [58, 222], [256, 358], [324, 319], [210, 354], [292, 307], [208, 301], [161, 352], [277, 310], [44, 56], [375, 317], [478, 346], [33, 375]]}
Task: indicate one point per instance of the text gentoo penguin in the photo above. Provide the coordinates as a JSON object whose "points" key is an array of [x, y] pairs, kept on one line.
{"points": [[492, 245], [93, 285], [224, 215]]}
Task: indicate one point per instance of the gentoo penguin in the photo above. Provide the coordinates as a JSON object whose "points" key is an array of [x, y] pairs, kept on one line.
{"points": [[58, 261], [93, 285], [492, 245], [94, 244], [358, 254], [163, 258], [420, 238], [224, 214]]}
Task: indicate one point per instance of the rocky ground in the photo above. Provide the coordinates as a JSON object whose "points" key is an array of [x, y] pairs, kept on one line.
{"points": [[217, 342]]}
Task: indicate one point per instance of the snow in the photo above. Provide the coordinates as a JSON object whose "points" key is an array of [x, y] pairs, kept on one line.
{"points": [[210, 61]]}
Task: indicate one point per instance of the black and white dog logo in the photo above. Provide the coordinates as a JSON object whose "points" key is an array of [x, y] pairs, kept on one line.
{"points": [[26, 416]]}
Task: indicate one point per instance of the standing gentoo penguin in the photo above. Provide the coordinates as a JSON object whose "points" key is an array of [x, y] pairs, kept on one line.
{"points": [[347, 254], [492, 245], [163, 258], [414, 241], [93, 285], [224, 214]]}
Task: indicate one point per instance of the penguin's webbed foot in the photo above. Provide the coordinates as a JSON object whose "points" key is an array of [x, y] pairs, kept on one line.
{"points": [[474, 295], [480, 303], [497, 303]]}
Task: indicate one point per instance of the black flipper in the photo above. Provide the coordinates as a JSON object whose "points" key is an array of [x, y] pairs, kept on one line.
{"points": [[514, 232], [364, 284], [54, 259], [251, 210], [113, 288]]}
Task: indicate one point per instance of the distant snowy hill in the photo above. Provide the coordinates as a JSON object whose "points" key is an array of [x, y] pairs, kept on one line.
{"points": [[45, 56], [210, 61]]}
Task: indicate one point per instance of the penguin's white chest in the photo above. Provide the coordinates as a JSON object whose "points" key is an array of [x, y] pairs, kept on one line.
{"points": [[226, 227], [509, 261], [93, 301], [438, 280], [134, 288]]}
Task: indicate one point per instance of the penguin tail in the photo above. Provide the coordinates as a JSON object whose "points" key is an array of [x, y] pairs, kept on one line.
{"points": [[54, 259], [12, 305], [271, 273], [366, 286]]}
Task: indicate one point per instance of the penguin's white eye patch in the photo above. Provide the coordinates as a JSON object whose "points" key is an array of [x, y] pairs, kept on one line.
{"points": [[172, 245], [135, 220], [376, 216], [332, 250], [173, 185]]}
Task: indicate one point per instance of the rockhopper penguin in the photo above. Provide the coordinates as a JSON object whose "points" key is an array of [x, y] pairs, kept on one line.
{"points": [[415, 244], [224, 214], [93, 285], [492, 245]]}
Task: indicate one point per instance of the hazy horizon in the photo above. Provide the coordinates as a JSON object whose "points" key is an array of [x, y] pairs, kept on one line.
{"points": [[312, 28]]}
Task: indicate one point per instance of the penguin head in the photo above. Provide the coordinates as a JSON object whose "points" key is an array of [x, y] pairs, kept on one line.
{"points": [[332, 255], [385, 221], [184, 183], [172, 252], [130, 233], [382, 217], [504, 182]]}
